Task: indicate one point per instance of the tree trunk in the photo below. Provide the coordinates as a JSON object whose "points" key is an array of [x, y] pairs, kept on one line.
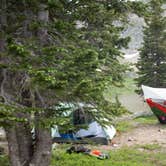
{"points": [[42, 153], [22, 150], [24, 137], [19, 142], [13, 146]]}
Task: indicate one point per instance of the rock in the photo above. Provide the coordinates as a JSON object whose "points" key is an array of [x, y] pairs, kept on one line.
{"points": [[115, 145], [130, 139]]}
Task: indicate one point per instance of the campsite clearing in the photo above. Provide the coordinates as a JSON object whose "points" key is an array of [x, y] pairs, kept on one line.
{"points": [[142, 143], [139, 142], [143, 131]]}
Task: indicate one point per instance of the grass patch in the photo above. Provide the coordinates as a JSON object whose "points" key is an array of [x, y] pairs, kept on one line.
{"points": [[122, 157], [146, 119], [150, 147], [123, 126]]}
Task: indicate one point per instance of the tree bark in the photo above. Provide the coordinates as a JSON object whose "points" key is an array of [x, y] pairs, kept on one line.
{"points": [[19, 143], [13, 146], [42, 154], [24, 152], [24, 137]]}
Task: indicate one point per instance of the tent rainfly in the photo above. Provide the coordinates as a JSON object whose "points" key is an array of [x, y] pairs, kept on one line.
{"points": [[156, 99], [94, 133]]}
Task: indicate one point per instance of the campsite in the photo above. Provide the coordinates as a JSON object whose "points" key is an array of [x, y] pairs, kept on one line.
{"points": [[133, 146], [139, 141], [82, 82], [136, 146]]}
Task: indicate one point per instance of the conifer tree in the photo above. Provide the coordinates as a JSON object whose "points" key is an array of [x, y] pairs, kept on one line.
{"points": [[152, 61], [54, 51]]}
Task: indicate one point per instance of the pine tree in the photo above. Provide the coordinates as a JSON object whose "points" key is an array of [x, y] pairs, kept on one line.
{"points": [[54, 51], [152, 61]]}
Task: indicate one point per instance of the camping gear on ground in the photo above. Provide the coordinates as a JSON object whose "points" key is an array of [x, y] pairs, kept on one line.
{"points": [[99, 154], [77, 149], [82, 149], [156, 99]]}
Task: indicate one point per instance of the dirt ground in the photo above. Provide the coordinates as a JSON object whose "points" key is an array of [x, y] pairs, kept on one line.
{"points": [[143, 134]]}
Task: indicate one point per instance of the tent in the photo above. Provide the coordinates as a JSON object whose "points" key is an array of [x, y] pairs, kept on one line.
{"points": [[156, 99], [93, 133]]}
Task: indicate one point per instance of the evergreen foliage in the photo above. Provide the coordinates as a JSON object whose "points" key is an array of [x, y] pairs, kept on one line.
{"points": [[55, 51], [152, 61], [73, 61]]}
